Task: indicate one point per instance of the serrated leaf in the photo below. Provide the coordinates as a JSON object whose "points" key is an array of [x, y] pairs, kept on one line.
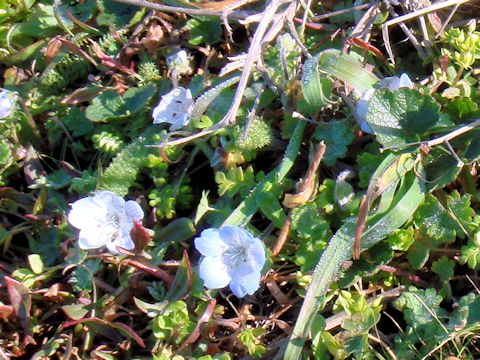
{"points": [[419, 306], [313, 232], [444, 268], [337, 136], [433, 221], [402, 116], [441, 168]]}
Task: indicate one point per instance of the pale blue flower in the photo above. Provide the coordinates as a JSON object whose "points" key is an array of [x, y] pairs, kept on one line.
{"points": [[392, 84], [231, 256], [174, 108], [6, 104], [105, 219]]}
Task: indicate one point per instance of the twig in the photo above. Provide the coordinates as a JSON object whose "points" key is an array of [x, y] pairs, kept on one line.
{"points": [[337, 319], [304, 193], [237, 15], [252, 56], [384, 345], [439, 140], [282, 237], [420, 12], [447, 20], [339, 12], [365, 22]]}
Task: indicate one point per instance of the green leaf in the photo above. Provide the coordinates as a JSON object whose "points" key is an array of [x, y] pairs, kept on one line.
{"points": [[313, 233], [406, 200], [337, 136], [5, 154], [77, 122], [114, 14], [110, 105], [204, 30], [401, 239], [433, 221], [270, 206], [249, 206], [459, 208], [75, 311], [461, 109], [435, 227], [124, 168], [441, 168], [444, 268], [316, 85], [402, 116], [235, 180], [36, 263], [81, 278], [367, 164], [419, 307]]}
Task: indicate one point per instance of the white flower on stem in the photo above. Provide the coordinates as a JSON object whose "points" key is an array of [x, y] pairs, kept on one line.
{"points": [[392, 84], [174, 108], [105, 219], [178, 62], [6, 104], [231, 256]]}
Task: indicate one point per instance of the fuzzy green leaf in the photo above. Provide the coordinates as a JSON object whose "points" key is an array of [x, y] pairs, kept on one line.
{"points": [[402, 116]]}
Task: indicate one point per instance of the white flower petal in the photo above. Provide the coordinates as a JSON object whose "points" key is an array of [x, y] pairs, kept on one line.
{"points": [[244, 285], [405, 82], [213, 272], [123, 242], [94, 237], [108, 200], [133, 210], [86, 213], [6, 104], [174, 108], [210, 243], [362, 109]]}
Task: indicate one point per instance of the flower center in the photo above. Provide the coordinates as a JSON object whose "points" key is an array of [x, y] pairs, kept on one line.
{"points": [[235, 256], [113, 224]]}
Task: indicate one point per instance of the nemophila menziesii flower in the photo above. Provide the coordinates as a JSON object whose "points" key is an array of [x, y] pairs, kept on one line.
{"points": [[6, 104], [174, 108], [105, 219], [391, 83], [231, 256]]}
